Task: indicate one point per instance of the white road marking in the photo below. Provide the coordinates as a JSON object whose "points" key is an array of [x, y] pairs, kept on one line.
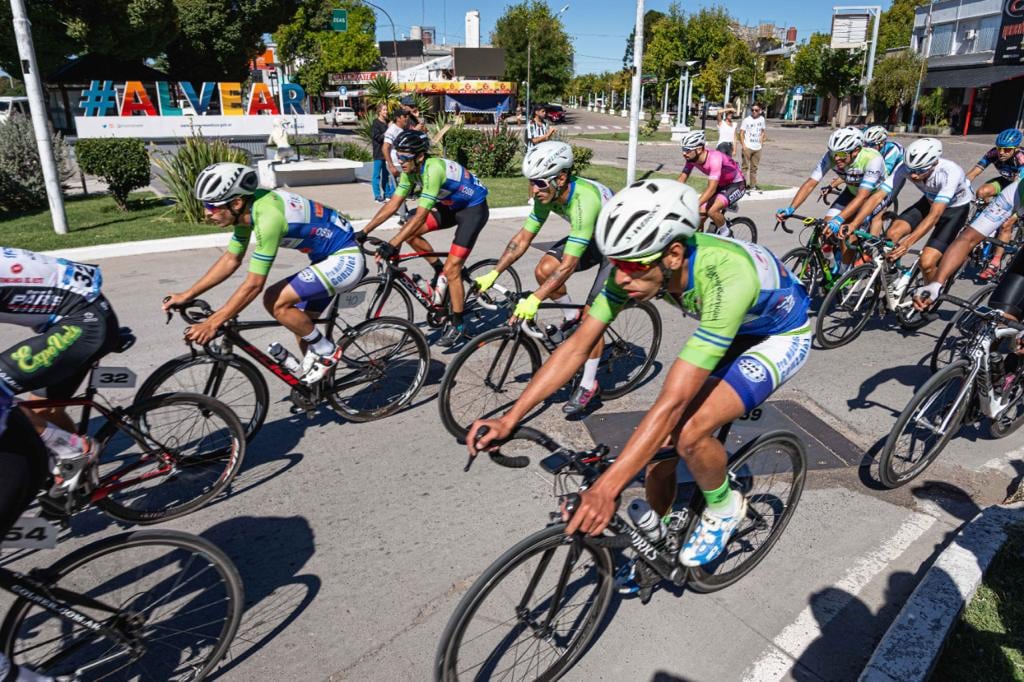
{"points": [[590, 127], [604, 127], [790, 644]]}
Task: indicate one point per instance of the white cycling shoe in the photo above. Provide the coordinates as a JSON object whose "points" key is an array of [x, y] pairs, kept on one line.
{"points": [[315, 367], [712, 534]]}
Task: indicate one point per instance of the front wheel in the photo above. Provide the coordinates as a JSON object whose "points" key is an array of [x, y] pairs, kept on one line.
{"points": [[504, 294], [848, 307], [802, 263], [743, 229], [531, 614], [953, 340], [631, 344]]}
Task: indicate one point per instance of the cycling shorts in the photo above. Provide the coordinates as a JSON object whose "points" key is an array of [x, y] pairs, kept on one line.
{"points": [[469, 221], [840, 202], [732, 193], [755, 366], [946, 229], [24, 463], [60, 358], [318, 282], [591, 257], [1009, 294]]}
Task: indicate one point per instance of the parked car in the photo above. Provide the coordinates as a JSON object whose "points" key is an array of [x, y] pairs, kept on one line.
{"points": [[341, 116], [556, 114], [13, 105], [713, 109]]}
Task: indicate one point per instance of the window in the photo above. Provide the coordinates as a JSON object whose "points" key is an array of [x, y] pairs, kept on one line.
{"points": [[988, 32], [942, 40]]}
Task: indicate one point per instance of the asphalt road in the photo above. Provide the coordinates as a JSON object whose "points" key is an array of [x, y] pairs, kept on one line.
{"points": [[356, 541]]}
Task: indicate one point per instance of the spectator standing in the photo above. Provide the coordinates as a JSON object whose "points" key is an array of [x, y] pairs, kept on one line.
{"points": [[382, 184], [726, 131], [399, 122], [753, 134], [538, 130]]}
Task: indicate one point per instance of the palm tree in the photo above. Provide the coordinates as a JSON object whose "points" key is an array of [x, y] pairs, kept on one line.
{"points": [[383, 90]]}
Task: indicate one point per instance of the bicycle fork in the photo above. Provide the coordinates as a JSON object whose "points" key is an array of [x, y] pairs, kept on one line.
{"points": [[962, 395]]}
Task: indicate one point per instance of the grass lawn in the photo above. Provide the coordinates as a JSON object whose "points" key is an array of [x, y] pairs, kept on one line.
{"points": [[96, 220], [658, 136], [988, 642]]}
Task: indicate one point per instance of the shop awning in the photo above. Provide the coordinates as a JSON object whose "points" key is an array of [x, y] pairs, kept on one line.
{"points": [[976, 77], [477, 103]]}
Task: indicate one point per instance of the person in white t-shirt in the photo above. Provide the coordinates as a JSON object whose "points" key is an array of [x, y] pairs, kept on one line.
{"points": [[753, 135], [726, 131]]}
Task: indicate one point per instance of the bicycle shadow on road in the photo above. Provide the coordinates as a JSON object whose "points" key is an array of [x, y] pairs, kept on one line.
{"points": [[269, 553], [908, 375]]}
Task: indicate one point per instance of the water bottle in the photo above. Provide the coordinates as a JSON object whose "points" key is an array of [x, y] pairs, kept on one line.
{"points": [[554, 333], [647, 520], [442, 286], [284, 358], [900, 285]]}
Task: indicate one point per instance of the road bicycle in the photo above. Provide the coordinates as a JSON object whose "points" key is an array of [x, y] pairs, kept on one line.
{"points": [[813, 263], [162, 457], [957, 333], [534, 611], [736, 227], [974, 387], [146, 605], [392, 291], [981, 255], [383, 366], [490, 373]]}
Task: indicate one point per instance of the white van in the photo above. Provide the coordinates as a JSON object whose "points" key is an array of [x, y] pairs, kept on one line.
{"points": [[13, 105]]}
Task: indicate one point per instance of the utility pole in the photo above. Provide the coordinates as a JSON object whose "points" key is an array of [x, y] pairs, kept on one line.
{"points": [[635, 104], [37, 104], [926, 48]]}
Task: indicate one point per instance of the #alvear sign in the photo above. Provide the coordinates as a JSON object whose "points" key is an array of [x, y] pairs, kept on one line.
{"points": [[131, 110]]}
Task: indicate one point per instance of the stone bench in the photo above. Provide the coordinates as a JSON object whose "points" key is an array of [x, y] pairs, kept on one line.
{"points": [[308, 172]]}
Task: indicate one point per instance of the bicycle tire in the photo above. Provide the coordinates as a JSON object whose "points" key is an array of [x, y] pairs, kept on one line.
{"points": [[64, 570], [618, 351], [1011, 419], [395, 302], [841, 296], [251, 415], [948, 345], [887, 472], [747, 230], [508, 279], [362, 368], [549, 540], [223, 460], [742, 470], [488, 401], [804, 267]]}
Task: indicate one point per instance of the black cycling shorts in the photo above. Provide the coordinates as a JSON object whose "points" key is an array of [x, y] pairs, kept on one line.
{"points": [[1009, 294], [469, 221], [591, 257], [23, 463], [946, 229], [60, 358]]}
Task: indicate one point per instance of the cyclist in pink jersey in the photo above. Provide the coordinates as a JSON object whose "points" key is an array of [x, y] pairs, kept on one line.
{"points": [[725, 181]]}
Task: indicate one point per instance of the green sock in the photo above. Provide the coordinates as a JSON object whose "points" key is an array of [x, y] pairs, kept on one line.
{"points": [[720, 499]]}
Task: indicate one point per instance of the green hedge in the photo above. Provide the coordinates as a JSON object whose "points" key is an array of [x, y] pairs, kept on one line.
{"points": [[121, 162]]}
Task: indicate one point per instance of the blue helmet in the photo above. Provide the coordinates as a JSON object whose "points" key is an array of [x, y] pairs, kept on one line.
{"points": [[1011, 137]]}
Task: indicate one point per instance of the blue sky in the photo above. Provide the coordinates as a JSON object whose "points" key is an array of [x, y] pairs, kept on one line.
{"points": [[600, 27]]}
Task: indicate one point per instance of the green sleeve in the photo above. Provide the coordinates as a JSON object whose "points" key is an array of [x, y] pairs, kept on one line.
{"points": [[609, 302], [269, 226], [239, 241], [433, 178], [538, 216], [725, 288], [582, 213], [405, 184]]}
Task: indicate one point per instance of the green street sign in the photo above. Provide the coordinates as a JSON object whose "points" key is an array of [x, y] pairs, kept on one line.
{"points": [[339, 20]]}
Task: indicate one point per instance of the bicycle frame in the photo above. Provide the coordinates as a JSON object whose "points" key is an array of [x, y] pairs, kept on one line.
{"points": [[395, 275]]}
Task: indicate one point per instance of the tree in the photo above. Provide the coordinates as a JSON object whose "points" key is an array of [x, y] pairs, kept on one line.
{"points": [[308, 41], [735, 55], [895, 26], [651, 17], [8, 89], [707, 33], [383, 90], [667, 43], [828, 71], [531, 26], [894, 81]]}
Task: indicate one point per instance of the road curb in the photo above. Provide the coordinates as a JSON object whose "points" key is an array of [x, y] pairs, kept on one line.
{"points": [[912, 644]]}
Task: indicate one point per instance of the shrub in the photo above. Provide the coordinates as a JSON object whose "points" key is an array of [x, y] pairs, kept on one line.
{"points": [[181, 168], [21, 176], [458, 143], [352, 151], [495, 154], [581, 157], [121, 162]]}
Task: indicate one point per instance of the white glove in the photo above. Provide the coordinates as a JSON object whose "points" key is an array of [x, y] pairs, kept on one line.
{"points": [[929, 292]]}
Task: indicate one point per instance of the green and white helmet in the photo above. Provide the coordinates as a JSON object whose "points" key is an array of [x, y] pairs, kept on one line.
{"points": [[845, 140], [219, 183]]}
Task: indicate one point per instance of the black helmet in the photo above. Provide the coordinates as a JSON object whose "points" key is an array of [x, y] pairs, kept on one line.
{"points": [[412, 142]]}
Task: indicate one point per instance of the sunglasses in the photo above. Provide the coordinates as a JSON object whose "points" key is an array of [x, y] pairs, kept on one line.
{"points": [[756, 111], [540, 183], [406, 157], [213, 207], [1007, 149], [632, 267], [841, 156]]}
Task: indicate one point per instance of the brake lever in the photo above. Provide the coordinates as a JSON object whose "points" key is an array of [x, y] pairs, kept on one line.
{"points": [[481, 432]]}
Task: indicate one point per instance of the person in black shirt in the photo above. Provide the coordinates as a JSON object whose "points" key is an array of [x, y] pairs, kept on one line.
{"points": [[382, 185]]}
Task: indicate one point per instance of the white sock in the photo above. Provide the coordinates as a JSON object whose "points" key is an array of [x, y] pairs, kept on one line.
{"points": [[569, 313], [733, 508], [318, 343], [61, 443], [589, 373]]}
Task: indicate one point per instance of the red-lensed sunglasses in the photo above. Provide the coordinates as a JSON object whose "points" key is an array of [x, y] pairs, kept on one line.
{"points": [[630, 267]]}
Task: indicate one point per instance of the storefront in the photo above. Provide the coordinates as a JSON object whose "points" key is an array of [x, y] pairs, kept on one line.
{"points": [[983, 99]]}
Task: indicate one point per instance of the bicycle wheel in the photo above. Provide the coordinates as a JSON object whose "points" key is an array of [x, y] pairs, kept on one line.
{"points": [[909, 317], [531, 614], [743, 229], [235, 382], [631, 344], [486, 377], [1012, 417], [186, 449], [383, 366], [395, 302], [770, 472], [802, 263], [918, 437], [953, 339], [177, 597], [847, 307], [509, 279]]}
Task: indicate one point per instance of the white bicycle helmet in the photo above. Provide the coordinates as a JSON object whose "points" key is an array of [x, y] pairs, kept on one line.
{"points": [[691, 140], [923, 154], [643, 219], [222, 182], [845, 140], [876, 135], [547, 160]]}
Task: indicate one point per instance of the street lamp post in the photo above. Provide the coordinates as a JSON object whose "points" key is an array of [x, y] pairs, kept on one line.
{"points": [[728, 86], [635, 104], [394, 39], [679, 104]]}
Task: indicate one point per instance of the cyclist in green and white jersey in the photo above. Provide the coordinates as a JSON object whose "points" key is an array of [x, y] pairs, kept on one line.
{"points": [[548, 166], [273, 219], [753, 336]]}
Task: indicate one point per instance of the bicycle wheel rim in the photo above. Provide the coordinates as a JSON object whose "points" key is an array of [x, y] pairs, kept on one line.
{"points": [[770, 472], [191, 446], [483, 318], [952, 341], [743, 229], [849, 304], [631, 343], [395, 302], [204, 599], [804, 267], [464, 654]]}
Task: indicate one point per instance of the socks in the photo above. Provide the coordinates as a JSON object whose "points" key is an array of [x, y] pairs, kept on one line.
{"points": [[721, 501], [569, 313], [63, 444], [318, 343], [590, 373], [457, 320]]}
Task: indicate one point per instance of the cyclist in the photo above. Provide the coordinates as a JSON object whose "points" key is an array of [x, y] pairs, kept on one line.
{"points": [[548, 166], [753, 336], [861, 168], [892, 152], [277, 218], [725, 181], [451, 196], [1008, 159]]}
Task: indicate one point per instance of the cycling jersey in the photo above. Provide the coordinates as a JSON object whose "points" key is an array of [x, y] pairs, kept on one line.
{"points": [[946, 184], [586, 197], [864, 172], [1010, 169], [444, 182], [284, 219], [892, 153], [37, 291], [1005, 204], [717, 166]]}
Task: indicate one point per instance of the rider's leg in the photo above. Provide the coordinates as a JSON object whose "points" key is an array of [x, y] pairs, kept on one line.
{"points": [[929, 262], [545, 268], [453, 271], [419, 244], [1004, 235], [717, 210]]}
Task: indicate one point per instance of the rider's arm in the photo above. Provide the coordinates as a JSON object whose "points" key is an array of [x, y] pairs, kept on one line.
{"points": [[270, 227], [391, 206], [221, 269], [974, 172], [433, 177], [515, 248], [685, 174], [247, 291], [869, 204], [824, 165]]}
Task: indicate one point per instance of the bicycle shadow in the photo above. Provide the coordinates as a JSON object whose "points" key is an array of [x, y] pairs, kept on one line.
{"points": [[912, 376]]}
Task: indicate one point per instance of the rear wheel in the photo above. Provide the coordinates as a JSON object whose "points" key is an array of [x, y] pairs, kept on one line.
{"points": [[802, 263], [631, 344], [478, 305], [369, 300], [848, 307], [742, 229]]}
